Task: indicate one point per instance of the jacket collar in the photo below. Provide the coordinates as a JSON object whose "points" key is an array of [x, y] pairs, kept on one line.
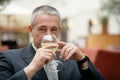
{"points": [[29, 54]]}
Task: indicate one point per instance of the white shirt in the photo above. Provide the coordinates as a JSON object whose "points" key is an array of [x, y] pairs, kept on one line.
{"points": [[50, 75]]}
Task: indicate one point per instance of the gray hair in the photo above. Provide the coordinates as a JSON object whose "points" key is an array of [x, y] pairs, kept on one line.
{"points": [[45, 9]]}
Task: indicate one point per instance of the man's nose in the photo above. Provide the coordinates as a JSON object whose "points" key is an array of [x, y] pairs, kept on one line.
{"points": [[49, 31]]}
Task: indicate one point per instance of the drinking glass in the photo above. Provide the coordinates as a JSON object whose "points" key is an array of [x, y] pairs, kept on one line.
{"points": [[51, 40]]}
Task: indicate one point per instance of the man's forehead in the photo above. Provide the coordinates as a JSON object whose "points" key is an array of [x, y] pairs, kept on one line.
{"points": [[46, 14], [45, 26]]}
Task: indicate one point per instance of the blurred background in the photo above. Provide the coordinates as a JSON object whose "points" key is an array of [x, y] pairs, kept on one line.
{"points": [[92, 25], [86, 23]]}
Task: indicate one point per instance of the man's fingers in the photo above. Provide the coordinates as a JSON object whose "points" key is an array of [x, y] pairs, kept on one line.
{"points": [[58, 51], [61, 44]]}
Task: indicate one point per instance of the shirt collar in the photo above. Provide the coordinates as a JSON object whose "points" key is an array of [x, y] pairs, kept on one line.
{"points": [[34, 47]]}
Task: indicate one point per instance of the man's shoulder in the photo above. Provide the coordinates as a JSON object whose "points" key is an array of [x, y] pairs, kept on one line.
{"points": [[17, 51], [14, 52]]}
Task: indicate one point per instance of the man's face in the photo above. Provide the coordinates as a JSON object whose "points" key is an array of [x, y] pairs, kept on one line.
{"points": [[44, 24]]}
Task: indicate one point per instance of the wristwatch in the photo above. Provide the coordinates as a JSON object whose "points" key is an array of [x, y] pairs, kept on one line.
{"points": [[80, 63]]}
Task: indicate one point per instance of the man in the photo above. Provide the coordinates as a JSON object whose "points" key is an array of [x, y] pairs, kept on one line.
{"points": [[28, 63]]}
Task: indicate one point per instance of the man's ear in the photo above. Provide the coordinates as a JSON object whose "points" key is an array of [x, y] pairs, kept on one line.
{"points": [[30, 29]]}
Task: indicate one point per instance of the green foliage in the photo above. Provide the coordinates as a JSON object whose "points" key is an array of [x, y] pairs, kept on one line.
{"points": [[4, 1], [111, 6], [104, 20]]}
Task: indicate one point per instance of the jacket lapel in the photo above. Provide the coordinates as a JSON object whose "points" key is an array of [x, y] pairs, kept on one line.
{"points": [[28, 54], [27, 57]]}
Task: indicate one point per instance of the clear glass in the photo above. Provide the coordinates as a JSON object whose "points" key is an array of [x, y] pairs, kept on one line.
{"points": [[49, 40]]}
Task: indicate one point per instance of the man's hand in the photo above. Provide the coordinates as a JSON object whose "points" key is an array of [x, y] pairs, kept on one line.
{"points": [[42, 56], [70, 51]]}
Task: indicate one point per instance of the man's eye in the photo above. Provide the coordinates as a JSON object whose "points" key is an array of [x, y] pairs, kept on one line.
{"points": [[55, 29], [42, 29]]}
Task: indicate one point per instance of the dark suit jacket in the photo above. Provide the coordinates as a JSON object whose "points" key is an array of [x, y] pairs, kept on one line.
{"points": [[12, 63]]}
